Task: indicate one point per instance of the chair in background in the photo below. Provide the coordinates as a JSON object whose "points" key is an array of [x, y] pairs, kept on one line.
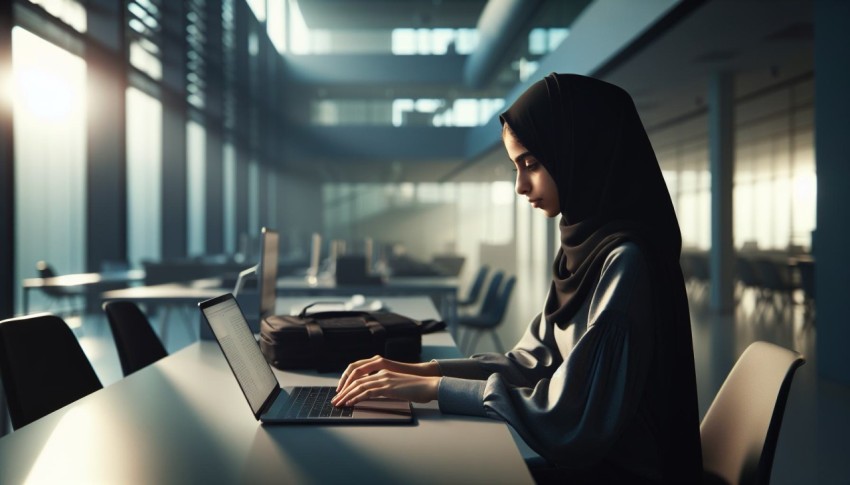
{"points": [[776, 283], [491, 316], [806, 271], [475, 288], [137, 344], [696, 272], [748, 278], [741, 428], [447, 264], [43, 367], [56, 293]]}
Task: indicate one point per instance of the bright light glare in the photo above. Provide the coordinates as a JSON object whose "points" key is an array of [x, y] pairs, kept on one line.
{"points": [[501, 193], [48, 82]]}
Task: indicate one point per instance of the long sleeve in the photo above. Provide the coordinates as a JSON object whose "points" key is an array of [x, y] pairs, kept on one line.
{"points": [[571, 410]]}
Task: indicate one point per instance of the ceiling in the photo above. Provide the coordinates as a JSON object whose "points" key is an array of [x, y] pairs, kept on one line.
{"points": [[667, 70]]}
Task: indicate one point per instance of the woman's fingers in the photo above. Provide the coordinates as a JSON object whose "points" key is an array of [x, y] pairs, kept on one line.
{"points": [[356, 370], [389, 384], [357, 388]]}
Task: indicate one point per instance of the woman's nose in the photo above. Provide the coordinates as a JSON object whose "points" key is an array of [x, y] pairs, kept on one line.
{"points": [[522, 186]]}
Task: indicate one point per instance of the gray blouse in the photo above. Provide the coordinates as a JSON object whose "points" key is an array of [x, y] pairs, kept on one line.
{"points": [[573, 394]]}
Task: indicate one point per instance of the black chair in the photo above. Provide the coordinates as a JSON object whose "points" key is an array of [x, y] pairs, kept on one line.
{"points": [[475, 289], [777, 286], [491, 315], [56, 293], [741, 427], [43, 367], [696, 271], [353, 270], [137, 344], [748, 277], [807, 284]]}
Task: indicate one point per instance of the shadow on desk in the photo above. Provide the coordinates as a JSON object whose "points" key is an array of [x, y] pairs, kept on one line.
{"points": [[315, 454]]}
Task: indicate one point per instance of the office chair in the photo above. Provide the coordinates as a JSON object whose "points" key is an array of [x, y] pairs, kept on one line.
{"points": [[55, 293], [807, 284], [492, 312], [43, 367], [775, 282], [475, 289], [740, 430], [137, 344], [748, 277]]}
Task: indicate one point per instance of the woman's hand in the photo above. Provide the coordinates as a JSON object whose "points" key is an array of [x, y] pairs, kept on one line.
{"points": [[396, 378], [385, 383]]}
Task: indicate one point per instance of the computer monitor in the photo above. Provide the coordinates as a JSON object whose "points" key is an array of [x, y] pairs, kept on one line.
{"points": [[315, 259], [267, 271]]}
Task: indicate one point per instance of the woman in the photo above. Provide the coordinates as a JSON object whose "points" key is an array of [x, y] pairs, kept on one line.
{"points": [[602, 384]]}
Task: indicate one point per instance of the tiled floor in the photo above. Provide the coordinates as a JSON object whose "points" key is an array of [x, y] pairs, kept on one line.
{"points": [[813, 442]]}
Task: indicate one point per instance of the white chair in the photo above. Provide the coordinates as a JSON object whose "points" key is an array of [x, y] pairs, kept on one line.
{"points": [[741, 428]]}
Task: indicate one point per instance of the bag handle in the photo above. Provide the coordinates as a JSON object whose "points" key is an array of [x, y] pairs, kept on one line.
{"points": [[336, 313]]}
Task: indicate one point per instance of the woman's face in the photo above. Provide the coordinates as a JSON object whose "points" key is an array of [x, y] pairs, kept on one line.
{"points": [[532, 179]]}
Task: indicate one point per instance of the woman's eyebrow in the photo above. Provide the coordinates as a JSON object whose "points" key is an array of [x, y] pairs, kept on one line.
{"points": [[522, 156]]}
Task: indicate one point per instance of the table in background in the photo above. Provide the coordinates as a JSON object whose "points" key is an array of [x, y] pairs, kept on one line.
{"points": [[185, 420], [88, 281]]}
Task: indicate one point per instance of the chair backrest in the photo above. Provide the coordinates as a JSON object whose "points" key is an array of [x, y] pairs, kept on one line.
{"points": [[740, 430], [477, 285], [491, 299], [746, 272], [807, 278], [43, 367], [504, 299], [137, 344], [46, 271], [774, 275]]}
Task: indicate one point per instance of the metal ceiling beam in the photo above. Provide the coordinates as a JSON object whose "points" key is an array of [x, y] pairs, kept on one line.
{"points": [[375, 70], [500, 23]]}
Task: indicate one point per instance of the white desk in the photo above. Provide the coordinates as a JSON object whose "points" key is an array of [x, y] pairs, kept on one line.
{"points": [[184, 420], [80, 280]]}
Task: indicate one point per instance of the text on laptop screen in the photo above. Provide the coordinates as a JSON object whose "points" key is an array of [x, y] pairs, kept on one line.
{"points": [[242, 352], [268, 272]]}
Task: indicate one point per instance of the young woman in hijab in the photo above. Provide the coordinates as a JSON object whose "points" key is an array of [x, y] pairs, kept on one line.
{"points": [[602, 384]]}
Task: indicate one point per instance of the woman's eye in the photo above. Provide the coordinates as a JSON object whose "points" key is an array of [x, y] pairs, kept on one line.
{"points": [[531, 165]]}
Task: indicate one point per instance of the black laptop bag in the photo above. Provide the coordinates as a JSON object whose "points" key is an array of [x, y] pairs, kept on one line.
{"points": [[329, 341]]}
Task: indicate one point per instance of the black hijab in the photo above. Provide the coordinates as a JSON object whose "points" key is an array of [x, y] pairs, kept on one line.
{"points": [[588, 135]]}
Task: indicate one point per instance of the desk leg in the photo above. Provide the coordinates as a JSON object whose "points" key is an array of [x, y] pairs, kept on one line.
{"points": [[163, 325]]}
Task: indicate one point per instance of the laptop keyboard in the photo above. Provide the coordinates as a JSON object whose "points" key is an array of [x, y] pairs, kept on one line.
{"points": [[315, 402]]}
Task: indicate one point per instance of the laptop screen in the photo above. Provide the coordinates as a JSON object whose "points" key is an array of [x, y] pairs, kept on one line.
{"points": [[230, 328], [268, 271]]}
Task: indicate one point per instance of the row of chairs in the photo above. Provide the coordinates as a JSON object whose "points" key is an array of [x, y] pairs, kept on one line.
{"points": [[41, 348], [771, 280], [491, 312]]}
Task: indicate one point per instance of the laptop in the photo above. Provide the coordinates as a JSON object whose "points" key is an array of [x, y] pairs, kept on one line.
{"points": [[272, 404]]}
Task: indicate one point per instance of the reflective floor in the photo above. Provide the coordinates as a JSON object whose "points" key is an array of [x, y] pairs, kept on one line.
{"points": [[813, 442], [718, 342]]}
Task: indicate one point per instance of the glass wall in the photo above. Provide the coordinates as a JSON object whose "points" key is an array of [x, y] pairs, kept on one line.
{"points": [[423, 219], [49, 109], [144, 177], [774, 192], [196, 148]]}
